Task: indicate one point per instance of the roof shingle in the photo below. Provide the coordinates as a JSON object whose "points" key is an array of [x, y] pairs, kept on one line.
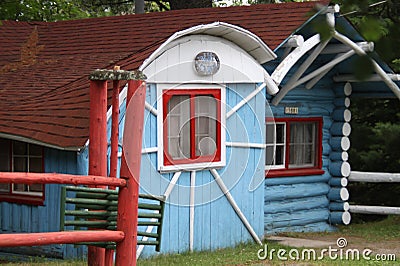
{"points": [[44, 66]]}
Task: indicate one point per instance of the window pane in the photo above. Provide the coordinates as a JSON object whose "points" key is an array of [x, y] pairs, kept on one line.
{"points": [[206, 125], [20, 164], [4, 155], [302, 144], [35, 165], [4, 187], [269, 157], [270, 133], [280, 133], [36, 188], [20, 187], [178, 121], [20, 148], [35, 150], [280, 155]]}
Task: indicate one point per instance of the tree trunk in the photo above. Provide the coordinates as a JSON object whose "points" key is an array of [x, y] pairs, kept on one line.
{"points": [[183, 4]]}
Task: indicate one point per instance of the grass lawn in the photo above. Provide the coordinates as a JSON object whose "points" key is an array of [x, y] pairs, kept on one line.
{"points": [[382, 236]]}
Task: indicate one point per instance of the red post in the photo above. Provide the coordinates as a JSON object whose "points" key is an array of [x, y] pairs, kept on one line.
{"points": [[130, 170], [97, 148], [109, 256]]}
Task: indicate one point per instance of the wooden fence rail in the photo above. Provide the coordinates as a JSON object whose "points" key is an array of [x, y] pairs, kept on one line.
{"points": [[371, 177]]}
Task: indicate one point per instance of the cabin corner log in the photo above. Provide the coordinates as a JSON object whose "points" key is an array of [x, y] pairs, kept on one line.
{"points": [[338, 182], [338, 194], [340, 217], [53, 178], [106, 74], [372, 177], [339, 206], [67, 237]]}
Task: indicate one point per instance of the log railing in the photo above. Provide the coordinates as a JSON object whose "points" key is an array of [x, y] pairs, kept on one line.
{"points": [[372, 177]]}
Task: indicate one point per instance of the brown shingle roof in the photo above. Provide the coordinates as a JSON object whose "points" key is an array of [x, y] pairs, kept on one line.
{"points": [[44, 90]]}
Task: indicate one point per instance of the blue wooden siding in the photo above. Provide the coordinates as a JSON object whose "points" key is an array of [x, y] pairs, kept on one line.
{"points": [[27, 218], [216, 223], [302, 203]]}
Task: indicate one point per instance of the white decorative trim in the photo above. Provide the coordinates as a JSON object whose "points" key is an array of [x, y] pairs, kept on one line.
{"points": [[150, 108], [246, 145], [245, 100], [191, 204], [149, 150], [236, 208]]}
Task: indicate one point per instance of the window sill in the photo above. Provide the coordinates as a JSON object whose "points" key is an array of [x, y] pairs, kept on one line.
{"points": [[293, 172], [26, 200]]}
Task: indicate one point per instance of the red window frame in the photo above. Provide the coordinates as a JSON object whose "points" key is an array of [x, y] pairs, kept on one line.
{"points": [[301, 171], [192, 93], [15, 197]]}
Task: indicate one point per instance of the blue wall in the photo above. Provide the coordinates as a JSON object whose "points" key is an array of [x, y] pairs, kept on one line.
{"points": [[216, 223], [27, 218]]}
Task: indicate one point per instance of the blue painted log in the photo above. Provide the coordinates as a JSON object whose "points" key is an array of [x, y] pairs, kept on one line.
{"points": [[340, 143], [327, 121], [339, 168], [296, 218], [282, 192], [342, 102], [338, 194], [341, 114], [339, 156], [314, 227], [294, 205], [343, 90], [297, 180], [338, 182], [340, 218], [340, 129], [339, 206], [326, 148]]}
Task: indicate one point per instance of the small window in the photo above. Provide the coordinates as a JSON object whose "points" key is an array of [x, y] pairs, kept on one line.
{"points": [[16, 156], [293, 146], [192, 126]]}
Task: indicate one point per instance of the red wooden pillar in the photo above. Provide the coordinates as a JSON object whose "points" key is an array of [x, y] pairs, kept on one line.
{"points": [[109, 256], [97, 148], [130, 170]]}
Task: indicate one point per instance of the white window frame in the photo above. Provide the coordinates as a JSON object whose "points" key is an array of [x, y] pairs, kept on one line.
{"points": [[160, 129]]}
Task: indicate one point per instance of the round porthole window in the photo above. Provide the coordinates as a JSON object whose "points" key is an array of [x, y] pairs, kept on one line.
{"points": [[206, 63]]}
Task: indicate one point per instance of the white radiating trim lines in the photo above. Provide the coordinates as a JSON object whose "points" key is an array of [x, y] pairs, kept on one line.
{"points": [[246, 145], [150, 108], [191, 204], [232, 201], [149, 150], [150, 228], [246, 100]]}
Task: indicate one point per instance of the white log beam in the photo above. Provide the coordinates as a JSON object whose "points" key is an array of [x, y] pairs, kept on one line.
{"points": [[372, 177], [385, 77], [342, 48], [375, 77], [299, 72], [380, 210], [283, 68]]}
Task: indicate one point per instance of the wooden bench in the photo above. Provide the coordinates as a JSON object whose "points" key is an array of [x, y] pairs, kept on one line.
{"points": [[84, 208]]}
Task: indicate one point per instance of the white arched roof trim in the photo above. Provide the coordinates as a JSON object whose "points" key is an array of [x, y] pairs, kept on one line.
{"points": [[243, 38]]}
